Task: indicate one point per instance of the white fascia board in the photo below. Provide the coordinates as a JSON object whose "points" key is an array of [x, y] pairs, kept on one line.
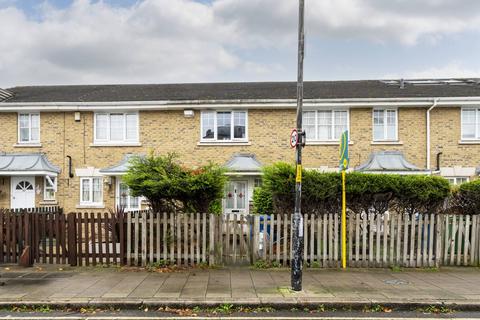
{"points": [[113, 174], [229, 104], [243, 173], [28, 173]]}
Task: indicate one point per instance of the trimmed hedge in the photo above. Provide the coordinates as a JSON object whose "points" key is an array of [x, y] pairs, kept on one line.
{"points": [[321, 192], [466, 198]]}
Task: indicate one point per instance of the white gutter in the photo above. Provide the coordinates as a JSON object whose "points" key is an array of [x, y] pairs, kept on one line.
{"points": [[243, 104], [435, 103]]}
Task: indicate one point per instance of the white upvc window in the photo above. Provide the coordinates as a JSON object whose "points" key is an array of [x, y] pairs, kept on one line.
{"points": [[29, 127], [325, 125], [457, 180], [385, 125], [124, 199], [91, 191], [116, 127], [49, 188], [470, 124], [224, 126]]}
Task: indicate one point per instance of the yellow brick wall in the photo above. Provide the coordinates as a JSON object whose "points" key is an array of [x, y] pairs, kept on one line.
{"points": [[268, 130]]}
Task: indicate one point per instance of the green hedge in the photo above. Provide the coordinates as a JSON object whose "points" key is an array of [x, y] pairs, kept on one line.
{"points": [[321, 192], [466, 198]]}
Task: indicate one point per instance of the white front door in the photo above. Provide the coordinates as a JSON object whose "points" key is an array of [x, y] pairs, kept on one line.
{"points": [[23, 192], [236, 198]]}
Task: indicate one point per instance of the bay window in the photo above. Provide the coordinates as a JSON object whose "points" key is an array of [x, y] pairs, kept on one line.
{"points": [[385, 124], [116, 127], [470, 124], [325, 125], [29, 127], [223, 126]]}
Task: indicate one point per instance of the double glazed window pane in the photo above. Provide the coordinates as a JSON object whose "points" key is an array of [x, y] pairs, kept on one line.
{"points": [[224, 125], [208, 125], [97, 190], [340, 123], [132, 127], [116, 127], [239, 120], [469, 124], [309, 125], [86, 190]]}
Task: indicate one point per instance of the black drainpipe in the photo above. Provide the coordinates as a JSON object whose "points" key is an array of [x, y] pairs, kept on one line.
{"points": [[438, 160], [70, 173]]}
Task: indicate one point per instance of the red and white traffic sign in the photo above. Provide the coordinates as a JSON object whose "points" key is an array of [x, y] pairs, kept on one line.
{"points": [[294, 138]]}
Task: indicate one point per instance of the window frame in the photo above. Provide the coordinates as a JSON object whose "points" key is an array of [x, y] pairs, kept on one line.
{"points": [[109, 140], [91, 202], [477, 123], [454, 179], [30, 141], [385, 126], [232, 127], [128, 206], [53, 188], [332, 124]]}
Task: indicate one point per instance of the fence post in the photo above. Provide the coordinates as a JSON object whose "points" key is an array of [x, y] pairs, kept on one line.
{"points": [[72, 238], [439, 239], [211, 244]]}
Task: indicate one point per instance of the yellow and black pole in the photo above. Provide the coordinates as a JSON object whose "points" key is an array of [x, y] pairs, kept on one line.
{"points": [[343, 169]]}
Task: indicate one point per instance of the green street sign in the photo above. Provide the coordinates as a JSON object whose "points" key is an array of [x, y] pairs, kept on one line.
{"points": [[343, 163]]}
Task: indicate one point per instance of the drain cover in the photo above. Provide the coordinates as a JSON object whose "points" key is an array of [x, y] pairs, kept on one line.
{"points": [[396, 282]]}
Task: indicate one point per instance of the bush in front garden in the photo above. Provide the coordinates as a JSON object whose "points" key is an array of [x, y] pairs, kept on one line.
{"points": [[169, 186], [321, 192]]}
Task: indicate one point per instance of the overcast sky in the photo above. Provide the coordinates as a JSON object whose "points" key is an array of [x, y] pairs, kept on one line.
{"points": [[169, 41]]}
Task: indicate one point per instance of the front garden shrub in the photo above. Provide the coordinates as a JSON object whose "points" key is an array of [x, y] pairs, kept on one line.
{"points": [[466, 198], [377, 193], [169, 186]]}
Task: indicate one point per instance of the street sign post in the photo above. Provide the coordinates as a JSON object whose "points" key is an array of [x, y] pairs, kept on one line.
{"points": [[343, 164], [297, 219], [294, 138]]}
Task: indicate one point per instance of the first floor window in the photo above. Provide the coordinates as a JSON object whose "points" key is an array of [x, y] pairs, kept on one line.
{"points": [[470, 124], [457, 180], [384, 124], [29, 127], [116, 127], [325, 125], [91, 191], [224, 125], [125, 200], [50, 188]]}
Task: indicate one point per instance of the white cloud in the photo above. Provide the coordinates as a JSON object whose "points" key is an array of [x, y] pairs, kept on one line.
{"points": [[185, 40]]}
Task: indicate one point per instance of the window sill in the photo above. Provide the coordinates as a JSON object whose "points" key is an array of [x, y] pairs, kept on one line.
{"points": [[27, 145], [48, 202], [90, 206], [229, 143], [325, 143], [390, 143], [469, 142], [116, 144]]}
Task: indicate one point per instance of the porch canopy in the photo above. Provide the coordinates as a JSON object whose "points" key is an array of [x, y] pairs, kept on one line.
{"points": [[120, 168], [389, 162], [23, 164], [244, 164]]}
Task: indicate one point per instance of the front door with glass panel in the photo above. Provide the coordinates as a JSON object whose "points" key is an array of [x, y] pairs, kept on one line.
{"points": [[124, 199], [23, 192], [236, 200]]}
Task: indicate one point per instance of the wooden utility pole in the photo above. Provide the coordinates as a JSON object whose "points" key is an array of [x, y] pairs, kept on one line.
{"points": [[297, 225]]}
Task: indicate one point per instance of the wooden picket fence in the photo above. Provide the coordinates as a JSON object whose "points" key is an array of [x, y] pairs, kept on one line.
{"points": [[144, 237], [372, 240]]}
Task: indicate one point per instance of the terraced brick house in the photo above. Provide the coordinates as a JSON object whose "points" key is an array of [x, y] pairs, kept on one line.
{"points": [[70, 145]]}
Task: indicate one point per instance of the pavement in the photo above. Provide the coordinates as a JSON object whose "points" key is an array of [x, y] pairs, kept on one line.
{"points": [[47, 285]]}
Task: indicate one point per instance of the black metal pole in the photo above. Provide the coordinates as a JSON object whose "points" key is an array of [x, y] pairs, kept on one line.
{"points": [[297, 225]]}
